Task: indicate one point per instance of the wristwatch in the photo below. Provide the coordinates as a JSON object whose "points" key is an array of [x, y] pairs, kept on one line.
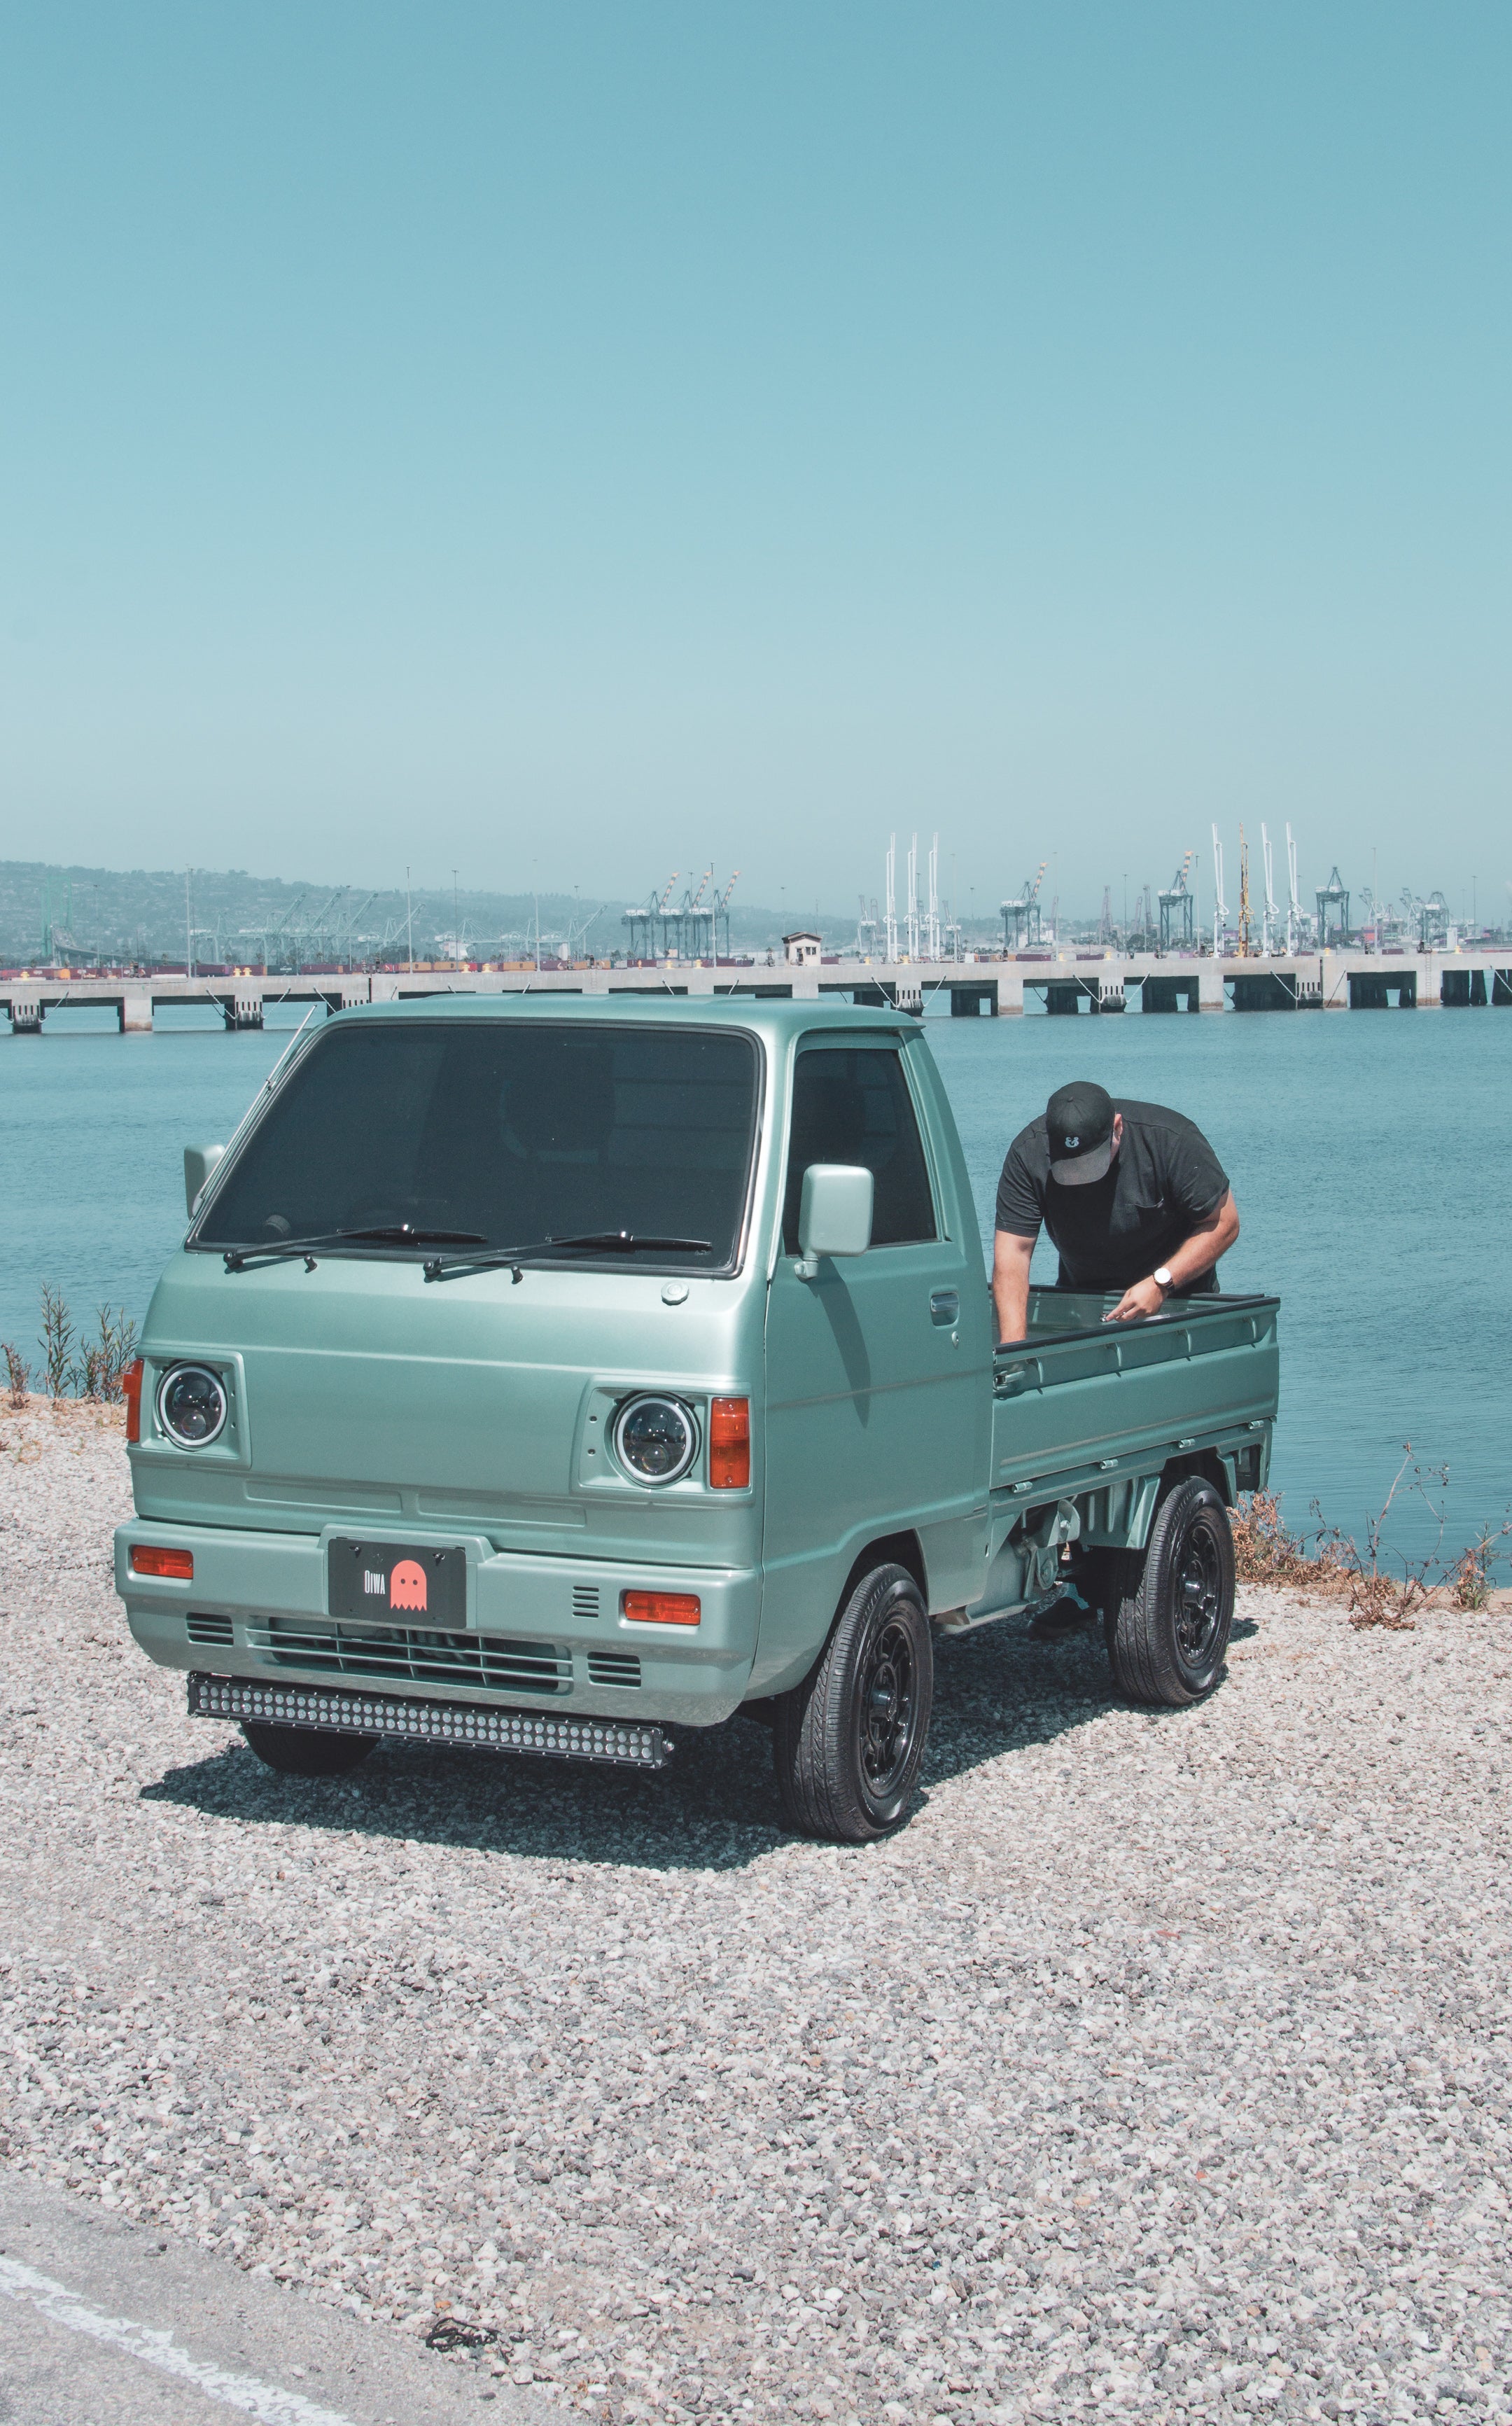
{"points": [[1162, 1277]]}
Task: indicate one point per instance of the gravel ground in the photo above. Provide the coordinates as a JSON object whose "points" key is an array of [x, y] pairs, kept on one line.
{"points": [[1158, 2069]]}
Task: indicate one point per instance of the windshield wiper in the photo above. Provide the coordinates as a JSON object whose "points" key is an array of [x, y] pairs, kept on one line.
{"points": [[591, 1242], [394, 1234], [404, 1234]]}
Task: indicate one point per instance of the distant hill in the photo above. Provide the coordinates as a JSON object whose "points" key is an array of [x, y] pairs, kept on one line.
{"points": [[140, 914]]}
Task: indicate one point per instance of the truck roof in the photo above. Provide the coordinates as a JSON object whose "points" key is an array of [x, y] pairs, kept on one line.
{"points": [[775, 1016]]}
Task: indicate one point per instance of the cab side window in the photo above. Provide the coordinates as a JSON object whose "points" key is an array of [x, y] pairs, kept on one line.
{"points": [[855, 1107]]}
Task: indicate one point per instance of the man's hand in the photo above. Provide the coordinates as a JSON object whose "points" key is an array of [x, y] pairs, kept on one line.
{"points": [[1193, 1257], [1146, 1297]]}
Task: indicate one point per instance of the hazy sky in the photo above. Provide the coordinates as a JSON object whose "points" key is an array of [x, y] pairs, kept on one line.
{"points": [[576, 440]]}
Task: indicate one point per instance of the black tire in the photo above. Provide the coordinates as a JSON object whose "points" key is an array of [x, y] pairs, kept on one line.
{"points": [[1103, 1579], [302, 1752], [848, 1741], [1169, 1632]]}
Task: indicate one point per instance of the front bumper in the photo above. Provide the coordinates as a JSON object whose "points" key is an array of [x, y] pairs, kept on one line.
{"points": [[542, 1634]]}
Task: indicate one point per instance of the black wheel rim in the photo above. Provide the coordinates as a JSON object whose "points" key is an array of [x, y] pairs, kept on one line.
{"points": [[1199, 1598], [888, 1706]]}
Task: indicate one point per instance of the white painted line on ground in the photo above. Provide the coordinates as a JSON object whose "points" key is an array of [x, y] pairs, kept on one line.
{"points": [[154, 2346]]}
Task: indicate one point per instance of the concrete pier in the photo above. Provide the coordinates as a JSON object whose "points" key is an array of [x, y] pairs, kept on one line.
{"points": [[1065, 985]]}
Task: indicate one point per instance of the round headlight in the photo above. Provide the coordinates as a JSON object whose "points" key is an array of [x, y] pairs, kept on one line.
{"points": [[654, 1439], [191, 1405]]}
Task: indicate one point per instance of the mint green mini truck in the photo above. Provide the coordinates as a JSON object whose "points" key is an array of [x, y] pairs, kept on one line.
{"points": [[556, 1377]]}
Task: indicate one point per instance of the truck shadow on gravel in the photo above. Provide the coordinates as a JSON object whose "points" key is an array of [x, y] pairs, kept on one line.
{"points": [[996, 1693]]}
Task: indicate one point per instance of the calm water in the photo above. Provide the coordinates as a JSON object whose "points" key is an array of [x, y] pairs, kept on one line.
{"points": [[1371, 1155]]}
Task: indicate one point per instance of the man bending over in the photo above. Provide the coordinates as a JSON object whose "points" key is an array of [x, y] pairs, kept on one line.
{"points": [[1133, 1196]]}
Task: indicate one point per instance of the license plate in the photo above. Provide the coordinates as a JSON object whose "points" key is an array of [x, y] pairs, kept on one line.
{"points": [[384, 1579]]}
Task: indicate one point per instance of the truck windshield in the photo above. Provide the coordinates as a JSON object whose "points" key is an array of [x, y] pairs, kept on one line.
{"points": [[502, 1130]]}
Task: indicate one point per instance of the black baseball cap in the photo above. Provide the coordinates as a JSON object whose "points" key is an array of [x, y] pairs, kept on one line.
{"points": [[1079, 1129]]}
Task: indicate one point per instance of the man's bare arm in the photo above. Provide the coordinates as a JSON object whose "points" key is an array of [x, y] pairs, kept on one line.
{"points": [[1193, 1257], [1010, 1283]]}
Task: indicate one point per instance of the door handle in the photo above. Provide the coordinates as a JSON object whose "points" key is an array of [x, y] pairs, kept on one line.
{"points": [[944, 1307]]}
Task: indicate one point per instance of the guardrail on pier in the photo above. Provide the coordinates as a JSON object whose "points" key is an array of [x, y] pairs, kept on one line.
{"points": [[1067, 984]]}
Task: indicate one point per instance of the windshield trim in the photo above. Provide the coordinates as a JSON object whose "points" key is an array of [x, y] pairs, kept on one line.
{"points": [[680, 1266]]}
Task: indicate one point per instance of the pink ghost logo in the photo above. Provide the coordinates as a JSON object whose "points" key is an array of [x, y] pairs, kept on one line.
{"points": [[407, 1585]]}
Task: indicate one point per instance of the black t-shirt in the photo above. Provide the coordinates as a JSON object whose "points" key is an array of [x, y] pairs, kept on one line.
{"points": [[1165, 1180]]}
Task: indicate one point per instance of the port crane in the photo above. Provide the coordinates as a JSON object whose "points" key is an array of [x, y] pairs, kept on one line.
{"points": [[721, 915], [1178, 912], [1220, 906], [1293, 899], [644, 920], [1024, 913], [1270, 913]]}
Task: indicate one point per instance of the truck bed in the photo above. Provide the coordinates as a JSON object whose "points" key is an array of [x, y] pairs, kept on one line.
{"points": [[1081, 1398]]}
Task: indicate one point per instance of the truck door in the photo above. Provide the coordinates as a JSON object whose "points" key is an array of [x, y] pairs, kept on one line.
{"points": [[875, 1374]]}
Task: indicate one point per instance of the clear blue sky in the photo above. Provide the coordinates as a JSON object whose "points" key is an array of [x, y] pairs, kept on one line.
{"points": [[570, 441]]}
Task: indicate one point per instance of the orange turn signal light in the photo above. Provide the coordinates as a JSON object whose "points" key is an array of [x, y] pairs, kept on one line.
{"points": [[660, 1609], [131, 1390], [730, 1444], [146, 1559]]}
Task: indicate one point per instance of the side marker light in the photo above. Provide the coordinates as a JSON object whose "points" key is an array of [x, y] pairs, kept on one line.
{"points": [[148, 1560], [660, 1609], [131, 1390]]}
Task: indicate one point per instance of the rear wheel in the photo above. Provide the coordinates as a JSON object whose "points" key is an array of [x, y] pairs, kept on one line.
{"points": [[1168, 1629], [849, 1740], [301, 1752]]}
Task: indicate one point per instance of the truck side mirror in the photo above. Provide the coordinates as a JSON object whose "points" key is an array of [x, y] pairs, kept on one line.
{"points": [[834, 1214], [199, 1162]]}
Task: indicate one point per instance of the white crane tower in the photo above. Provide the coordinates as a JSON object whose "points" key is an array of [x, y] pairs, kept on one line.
{"points": [[1294, 905], [1269, 914], [1220, 906]]}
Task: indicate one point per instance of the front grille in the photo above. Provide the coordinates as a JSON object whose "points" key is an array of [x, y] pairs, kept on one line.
{"points": [[613, 1668], [203, 1628], [413, 1653], [327, 1712], [585, 1602]]}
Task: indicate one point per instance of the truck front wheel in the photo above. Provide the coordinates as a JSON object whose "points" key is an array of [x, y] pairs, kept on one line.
{"points": [[1169, 1628], [301, 1752], [848, 1741]]}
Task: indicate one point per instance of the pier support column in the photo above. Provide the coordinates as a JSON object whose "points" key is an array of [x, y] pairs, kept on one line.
{"points": [[133, 1014], [1210, 995], [27, 1014], [244, 1010], [1430, 985], [1009, 1003]]}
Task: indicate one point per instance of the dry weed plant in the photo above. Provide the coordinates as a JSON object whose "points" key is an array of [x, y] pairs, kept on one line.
{"points": [[98, 1369], [1469, 1581], [1330, 1563], [18, 1375]]}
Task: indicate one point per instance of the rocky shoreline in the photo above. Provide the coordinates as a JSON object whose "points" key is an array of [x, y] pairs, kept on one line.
{"points": [[1159, 2069]]}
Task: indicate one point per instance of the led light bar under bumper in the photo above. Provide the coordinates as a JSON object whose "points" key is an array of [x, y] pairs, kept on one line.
{"points": [[418, 1722]]}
